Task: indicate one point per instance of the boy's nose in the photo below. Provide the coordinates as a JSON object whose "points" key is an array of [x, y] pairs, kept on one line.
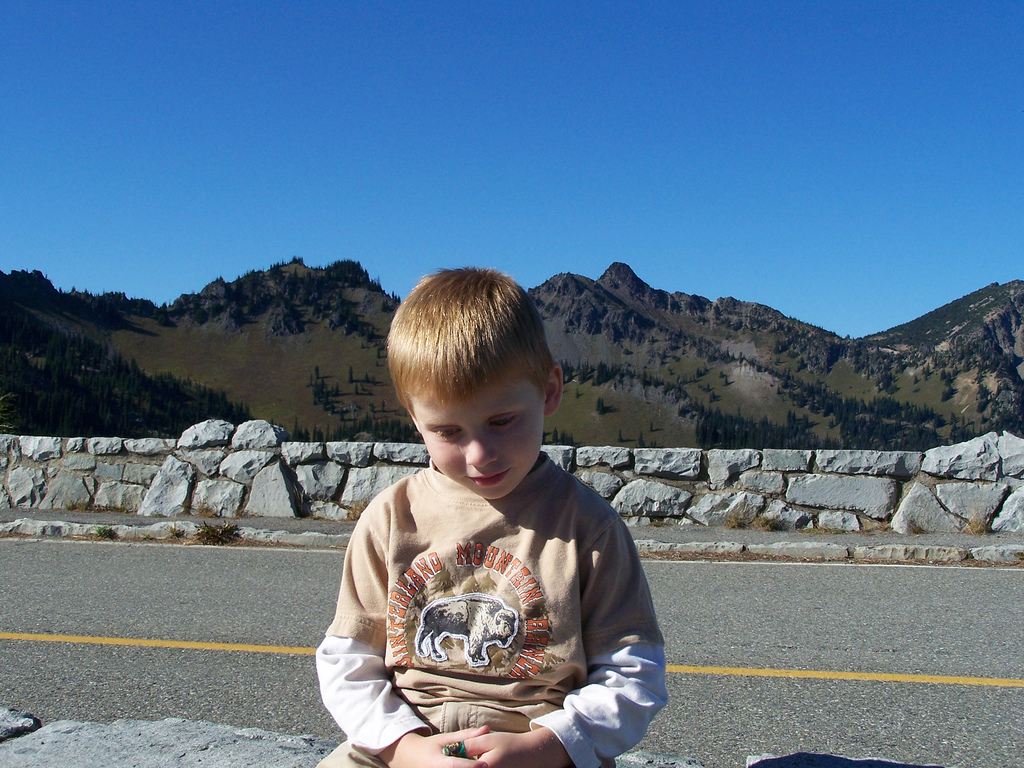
{"points": [[479, 452]]}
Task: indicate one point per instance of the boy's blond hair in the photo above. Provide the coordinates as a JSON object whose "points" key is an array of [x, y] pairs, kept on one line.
{"points": [[461, 329]]}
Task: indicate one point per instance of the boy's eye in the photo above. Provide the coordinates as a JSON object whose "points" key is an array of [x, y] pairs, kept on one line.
{"points": [[446, 433], [502, 421]]}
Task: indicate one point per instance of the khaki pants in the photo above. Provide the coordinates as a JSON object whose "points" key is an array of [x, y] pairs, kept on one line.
{"points": [[443, 718]]}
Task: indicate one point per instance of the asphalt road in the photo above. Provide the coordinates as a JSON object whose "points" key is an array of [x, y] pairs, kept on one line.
{"points": [[954, 622]]}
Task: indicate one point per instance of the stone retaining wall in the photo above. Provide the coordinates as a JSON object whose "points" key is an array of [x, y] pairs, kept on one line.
{"points": [[252, 470]]}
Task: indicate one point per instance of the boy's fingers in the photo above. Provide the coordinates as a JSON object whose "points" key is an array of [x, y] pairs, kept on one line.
{"points": [[466, 733]]}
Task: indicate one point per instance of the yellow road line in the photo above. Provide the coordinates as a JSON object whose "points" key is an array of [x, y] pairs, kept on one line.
{"points": [[148, 643], [835, 675], [675, 668]]}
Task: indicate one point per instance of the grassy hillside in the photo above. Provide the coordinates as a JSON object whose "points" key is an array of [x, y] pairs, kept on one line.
{"points": [[62, 383], [274, 376]]}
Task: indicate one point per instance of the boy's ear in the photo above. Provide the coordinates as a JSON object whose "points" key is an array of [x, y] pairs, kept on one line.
{"points": [[553, 391]]}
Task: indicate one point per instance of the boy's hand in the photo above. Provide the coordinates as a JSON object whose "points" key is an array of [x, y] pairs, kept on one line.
{"points": [[414, 750], [539, 748]]}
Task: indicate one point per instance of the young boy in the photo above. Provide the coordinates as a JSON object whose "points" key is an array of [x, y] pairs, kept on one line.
{"points": [[493, 612]]}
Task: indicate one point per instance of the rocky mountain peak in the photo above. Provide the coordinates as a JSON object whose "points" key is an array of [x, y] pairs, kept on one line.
{"points": [[621, 277]]}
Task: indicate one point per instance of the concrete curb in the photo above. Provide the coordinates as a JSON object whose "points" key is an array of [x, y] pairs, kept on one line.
{"points": [[827, 551], [165, 531], [184, 531]]}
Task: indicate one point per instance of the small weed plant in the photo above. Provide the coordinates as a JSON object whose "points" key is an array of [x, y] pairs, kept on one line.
{"points": [[356, 508], [105, 532], [762, 523], [736, 520], [208, 533], [977, 525]]}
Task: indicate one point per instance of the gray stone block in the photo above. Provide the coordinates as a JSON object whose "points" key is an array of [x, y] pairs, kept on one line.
{"points": [[14, 723], [222, 498], [40, 448], [243, 466], [106, 471], [27, 486], [140, 474], [733, 508], [79, 462], [320, 481], [351, 454], [170, 490], [723, 465], [149, 446], [124, 497], [893, 463], [920, 512], [783, 516], [1011, 454], [366, 482], [976, 459], [104, 446], [272, 494], [302, 453], [605, 483], [760, 481], [74, 445], [258, 435], [785, 460], [561, 455], [11, 445], [206, 461], [612, 456], [402, 453], [68, 491], [837, 520], [7, 440], [972, 501], [873, 496], [1011, 517], [207, 434], [672, 463], [650, 499], [181, 743]]}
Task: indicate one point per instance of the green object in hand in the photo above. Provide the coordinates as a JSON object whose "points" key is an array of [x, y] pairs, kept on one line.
{"points": [[455, 749]]}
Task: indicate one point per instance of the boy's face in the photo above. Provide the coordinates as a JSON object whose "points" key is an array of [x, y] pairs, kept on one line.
{"points": [[488, 444]]}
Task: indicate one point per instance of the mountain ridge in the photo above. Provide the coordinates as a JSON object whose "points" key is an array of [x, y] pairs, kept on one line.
{"points": [[304, 346]]}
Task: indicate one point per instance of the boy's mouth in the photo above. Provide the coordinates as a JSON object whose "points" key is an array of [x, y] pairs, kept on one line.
{"points": [[487, 481]]}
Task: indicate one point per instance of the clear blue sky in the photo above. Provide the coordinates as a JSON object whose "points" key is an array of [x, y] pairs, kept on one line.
{"points": [[852, 164]]}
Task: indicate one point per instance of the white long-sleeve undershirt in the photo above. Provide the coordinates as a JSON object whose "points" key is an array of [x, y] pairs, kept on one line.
{"points": [[602, 719]]}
